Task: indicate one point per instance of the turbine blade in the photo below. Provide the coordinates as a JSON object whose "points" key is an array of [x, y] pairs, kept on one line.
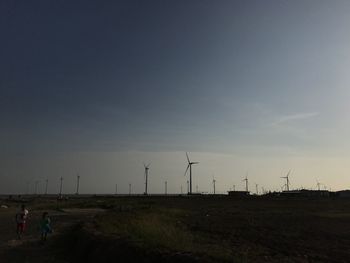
{"points": [[188, 159], [188, 166], [195, 163], [288, 173]]}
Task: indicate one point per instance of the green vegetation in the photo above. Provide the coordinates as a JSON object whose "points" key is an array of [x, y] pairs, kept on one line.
{"points": [[162, 229]]}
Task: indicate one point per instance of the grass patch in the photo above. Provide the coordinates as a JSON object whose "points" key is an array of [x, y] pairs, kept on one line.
{"points": [[162, 230]]}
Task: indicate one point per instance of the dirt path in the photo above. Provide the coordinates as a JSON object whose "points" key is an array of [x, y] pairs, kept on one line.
{"points": [[30, 248]]}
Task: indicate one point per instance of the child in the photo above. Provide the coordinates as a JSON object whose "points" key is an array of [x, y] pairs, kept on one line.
{"points": [[21, 218], [45, 226]]}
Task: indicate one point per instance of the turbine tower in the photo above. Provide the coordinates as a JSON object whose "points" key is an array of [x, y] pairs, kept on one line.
{"points": [[61, 185], [246, 183], [146, 177], [256, 189], [27, 189], [214, 181], [166, 187], [318, 185], [46, 185], [36, 187], [78, 183], [116, 189], [189, 166], [129, 189], [287, 180]]}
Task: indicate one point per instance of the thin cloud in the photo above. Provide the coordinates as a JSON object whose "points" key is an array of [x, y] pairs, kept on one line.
{"points": [[296, 117]]}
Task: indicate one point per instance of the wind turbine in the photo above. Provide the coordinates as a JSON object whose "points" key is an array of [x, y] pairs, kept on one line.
{"points": [[78, 183], [189, 166], [246, 182], [27, 189], [256, 189], [318, 185], [166, 187], [287, 180], [61, 185], [214, 181], [36, 187], [146, 176], [129, 189], [46, 185]]}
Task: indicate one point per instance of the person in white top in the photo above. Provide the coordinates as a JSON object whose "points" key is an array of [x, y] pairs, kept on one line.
{"points": [[21, 220]]}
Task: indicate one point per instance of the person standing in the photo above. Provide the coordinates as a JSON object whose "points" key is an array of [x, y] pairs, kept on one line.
{"points": [[21, 219], [45, 226]]}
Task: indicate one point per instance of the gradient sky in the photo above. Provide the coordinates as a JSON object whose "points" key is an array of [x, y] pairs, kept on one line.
{"points": [[99, 87]]}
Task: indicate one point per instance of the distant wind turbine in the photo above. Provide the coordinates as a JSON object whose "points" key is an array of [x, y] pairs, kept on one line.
{"points": [[61, 185], [287, 180], [78, 183], [146, 176], [36, 187], [189, 166], [46, 185], [318, 185], [214, 181], [246, 182], [27, 188]]}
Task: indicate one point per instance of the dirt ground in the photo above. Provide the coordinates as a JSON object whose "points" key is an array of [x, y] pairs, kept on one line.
{"points": [[274, 230], [30, 248], [254, 230]]}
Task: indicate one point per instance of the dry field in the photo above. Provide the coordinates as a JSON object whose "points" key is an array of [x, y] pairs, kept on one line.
{"points": [[182, 229]]}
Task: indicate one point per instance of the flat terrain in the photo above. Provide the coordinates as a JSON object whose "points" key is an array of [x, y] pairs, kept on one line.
{"points": [[182, 229], [30, 248]]}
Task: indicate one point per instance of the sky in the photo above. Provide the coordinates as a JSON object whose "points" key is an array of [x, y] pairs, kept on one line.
{"points": [[97, 88]]}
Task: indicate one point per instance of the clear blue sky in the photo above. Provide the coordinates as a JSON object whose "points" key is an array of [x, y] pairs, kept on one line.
{"points": [[98, 87]]}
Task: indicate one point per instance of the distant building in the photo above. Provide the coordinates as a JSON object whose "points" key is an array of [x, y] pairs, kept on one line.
{"points": [[305, 193]]}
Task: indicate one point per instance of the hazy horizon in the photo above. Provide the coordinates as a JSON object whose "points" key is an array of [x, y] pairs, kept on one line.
{"points": [[100, 87]]}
